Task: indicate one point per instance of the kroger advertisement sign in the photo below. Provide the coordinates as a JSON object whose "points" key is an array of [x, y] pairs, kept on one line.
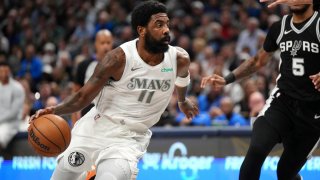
{"points": [[174, 164]]}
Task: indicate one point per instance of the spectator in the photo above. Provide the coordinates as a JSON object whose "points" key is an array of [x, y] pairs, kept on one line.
{"points": [[103, 22], [24, 124], [27, 105], [184, 42], [3, 57], [62, 72], [31, 66], [249, 37], [195, 77], [214, 36], [227, 25], [4, 43], [81, 33], [52, 101], [49, 59], [11, 102], [249, 86], [41, 97], [206, 58], [262, 85], [256, 103], [49, 56], [14, 59], [103, 44], [202, 119], [229, 117], [210, 99]]}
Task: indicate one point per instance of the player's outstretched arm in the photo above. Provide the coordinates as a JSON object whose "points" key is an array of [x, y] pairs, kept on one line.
{"points": [[287, 2], [247, 68], [182, 82], [111, 66]]}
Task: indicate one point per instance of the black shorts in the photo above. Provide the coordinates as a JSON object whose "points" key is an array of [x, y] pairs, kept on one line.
{"points": [[288, 115]]}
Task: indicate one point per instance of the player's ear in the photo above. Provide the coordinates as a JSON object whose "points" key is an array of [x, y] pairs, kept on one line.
{"points": [[141, 30]]}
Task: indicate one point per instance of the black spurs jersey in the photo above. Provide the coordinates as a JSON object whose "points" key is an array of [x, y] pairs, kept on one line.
{"points": [[299, 45]]}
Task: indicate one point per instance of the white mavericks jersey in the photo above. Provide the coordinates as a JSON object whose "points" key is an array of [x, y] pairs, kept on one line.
{"points": [[141, 95]]}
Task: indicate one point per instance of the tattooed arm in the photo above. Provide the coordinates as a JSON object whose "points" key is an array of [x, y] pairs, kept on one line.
{"points": [[251, 65], [111, 66], [247, 68]]}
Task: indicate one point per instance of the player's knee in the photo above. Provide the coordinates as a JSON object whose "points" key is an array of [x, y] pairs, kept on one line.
{"points": [[107, 175], [258, 150], [118, 169], [260, 144], [61, 173]]}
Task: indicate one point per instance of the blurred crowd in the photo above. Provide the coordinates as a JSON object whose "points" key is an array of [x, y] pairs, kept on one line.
{"points": [[44, 41]]}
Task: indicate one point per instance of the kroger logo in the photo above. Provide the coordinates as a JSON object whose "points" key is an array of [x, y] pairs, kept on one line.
{"points": [[188, 166]]}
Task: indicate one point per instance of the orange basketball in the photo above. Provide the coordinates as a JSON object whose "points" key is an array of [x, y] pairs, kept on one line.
{"points": [[49, 135]]}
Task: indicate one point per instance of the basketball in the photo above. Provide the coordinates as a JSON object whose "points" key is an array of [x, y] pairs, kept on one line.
{"points": [[49, 135]]}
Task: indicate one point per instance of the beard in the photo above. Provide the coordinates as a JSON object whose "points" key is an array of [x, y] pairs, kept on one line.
{"points": [[156, 46], [301, 10]]}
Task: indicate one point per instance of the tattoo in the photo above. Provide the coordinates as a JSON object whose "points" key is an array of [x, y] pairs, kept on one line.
{"points": [[250, 66], [68, 105], [112, 62], [111, 66]]}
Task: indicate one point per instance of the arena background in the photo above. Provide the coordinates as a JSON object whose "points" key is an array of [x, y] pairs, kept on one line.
{"points": [[62, 32]]}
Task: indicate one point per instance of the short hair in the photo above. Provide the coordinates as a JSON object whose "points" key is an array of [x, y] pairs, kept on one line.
{"points": [[101, 32], [142, 13], [4, 63]]}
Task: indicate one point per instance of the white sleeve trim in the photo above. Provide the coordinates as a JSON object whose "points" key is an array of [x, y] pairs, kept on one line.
{"points": [[317, 29], [283, 24]]}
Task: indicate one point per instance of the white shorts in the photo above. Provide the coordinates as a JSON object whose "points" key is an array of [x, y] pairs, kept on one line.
{"points": [[95, 137], [7, 133]]}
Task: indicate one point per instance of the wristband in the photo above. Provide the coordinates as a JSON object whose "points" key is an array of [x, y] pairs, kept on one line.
{"points": [[230, 78], [183, 81]]}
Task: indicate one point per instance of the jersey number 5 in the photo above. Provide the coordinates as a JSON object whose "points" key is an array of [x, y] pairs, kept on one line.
{"points": [[297, 66]]}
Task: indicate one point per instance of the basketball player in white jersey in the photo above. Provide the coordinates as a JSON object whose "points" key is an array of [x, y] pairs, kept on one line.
{"points": [[132, 86]]}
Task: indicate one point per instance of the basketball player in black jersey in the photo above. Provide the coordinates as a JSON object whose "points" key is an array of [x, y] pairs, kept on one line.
{"points": [[292, 113]]}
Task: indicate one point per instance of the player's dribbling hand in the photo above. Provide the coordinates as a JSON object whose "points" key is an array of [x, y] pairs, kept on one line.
{"points": [[287, 2], [40, 112], [188, 108], [215, 80], [316, 81]]}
